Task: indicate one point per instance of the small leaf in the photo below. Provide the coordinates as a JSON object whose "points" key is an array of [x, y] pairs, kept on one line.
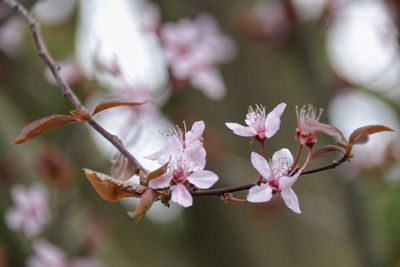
{"points": [[160, 171], [111, 189], [145, 203], [361, 135], [327, 150], [80, 114], [44, 124], [122, 168], [111, 104]]}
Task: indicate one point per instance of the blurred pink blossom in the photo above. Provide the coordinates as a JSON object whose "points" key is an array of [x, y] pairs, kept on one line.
{"points": [[31, 211], [277, 178], [186, 158], [69, 70], [259, 124], [11, 36], [47, 254], [193, 48]]}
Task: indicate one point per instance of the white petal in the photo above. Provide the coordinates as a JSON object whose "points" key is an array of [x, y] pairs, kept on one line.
{"points": [[260, 164], [240, 129], [161, 182], [281, 161], [155, 155], [209, 81], [181, 196], [286, 182], [273, 120], [196, 131], [290, 199], [260, 193], [203, 179]]}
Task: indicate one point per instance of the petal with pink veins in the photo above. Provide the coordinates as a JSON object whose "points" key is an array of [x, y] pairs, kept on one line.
{"points": [[203, 179], [273, 120], [290, 199], [260, 193], [181, 196], [161, 182], [260, 164], [240, 129]]}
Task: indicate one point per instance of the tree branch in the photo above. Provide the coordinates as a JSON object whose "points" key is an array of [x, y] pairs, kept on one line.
{"points": [[65, 88]]}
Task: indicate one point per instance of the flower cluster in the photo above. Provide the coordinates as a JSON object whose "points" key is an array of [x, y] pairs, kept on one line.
{"points": [[186, 158], [193, 48]]}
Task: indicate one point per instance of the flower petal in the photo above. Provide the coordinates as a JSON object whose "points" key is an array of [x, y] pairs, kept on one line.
{"points": [[273, 120], [286, 182], [282, 160], [161, 182], [181, 196], [260, 193], [260, 164], [290, 199], [240, 129], [196, 131], [203, 179]]}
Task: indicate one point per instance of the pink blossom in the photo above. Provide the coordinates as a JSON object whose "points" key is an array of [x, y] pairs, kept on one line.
{"points": [[308, 123], [193, 48], [47, 254], [31, 211], [277, 179], [259, 125], [11, 36], [69, 70], [186, 156]]}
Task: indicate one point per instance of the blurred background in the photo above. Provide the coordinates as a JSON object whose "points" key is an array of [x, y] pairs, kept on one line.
{"points": [[340, 55]]}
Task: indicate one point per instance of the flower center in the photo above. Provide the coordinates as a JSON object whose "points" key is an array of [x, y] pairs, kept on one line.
{"points": [[179, 176]]}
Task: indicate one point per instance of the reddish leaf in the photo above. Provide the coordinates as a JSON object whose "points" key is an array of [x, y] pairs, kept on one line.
{"points": [[111, 189], [361, 135], [160, 171], [111, 104], [44, 124], [145, 203], [122, 168], [327, 150]]}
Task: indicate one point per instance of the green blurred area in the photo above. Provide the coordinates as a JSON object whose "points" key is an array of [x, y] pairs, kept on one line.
{"points": [[345, 222]]}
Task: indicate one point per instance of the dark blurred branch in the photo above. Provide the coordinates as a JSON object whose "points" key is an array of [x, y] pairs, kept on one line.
{"points": [[65, 88]]}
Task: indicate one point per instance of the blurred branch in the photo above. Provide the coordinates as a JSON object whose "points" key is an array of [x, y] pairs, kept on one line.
{"points": [[10, 13], [65, 88]]}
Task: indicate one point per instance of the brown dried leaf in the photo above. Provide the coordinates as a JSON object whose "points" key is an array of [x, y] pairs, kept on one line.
{"points": [[112, 189], [111, 104], [361, 135], [122, 168], [44, 124], [160, 171], [327, 150], [145, 203]]}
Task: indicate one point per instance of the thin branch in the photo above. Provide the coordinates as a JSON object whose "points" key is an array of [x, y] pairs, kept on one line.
{"points": [[222, 191], [327, 167], [65, 88]]}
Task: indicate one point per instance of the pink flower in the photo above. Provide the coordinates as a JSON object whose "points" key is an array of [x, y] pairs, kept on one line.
{"points": [[193, 48], [308, 123], [184, 143], [47, 254], [277, 179], [31, 211], [69, 70], [259, 125], [186, 156]]}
